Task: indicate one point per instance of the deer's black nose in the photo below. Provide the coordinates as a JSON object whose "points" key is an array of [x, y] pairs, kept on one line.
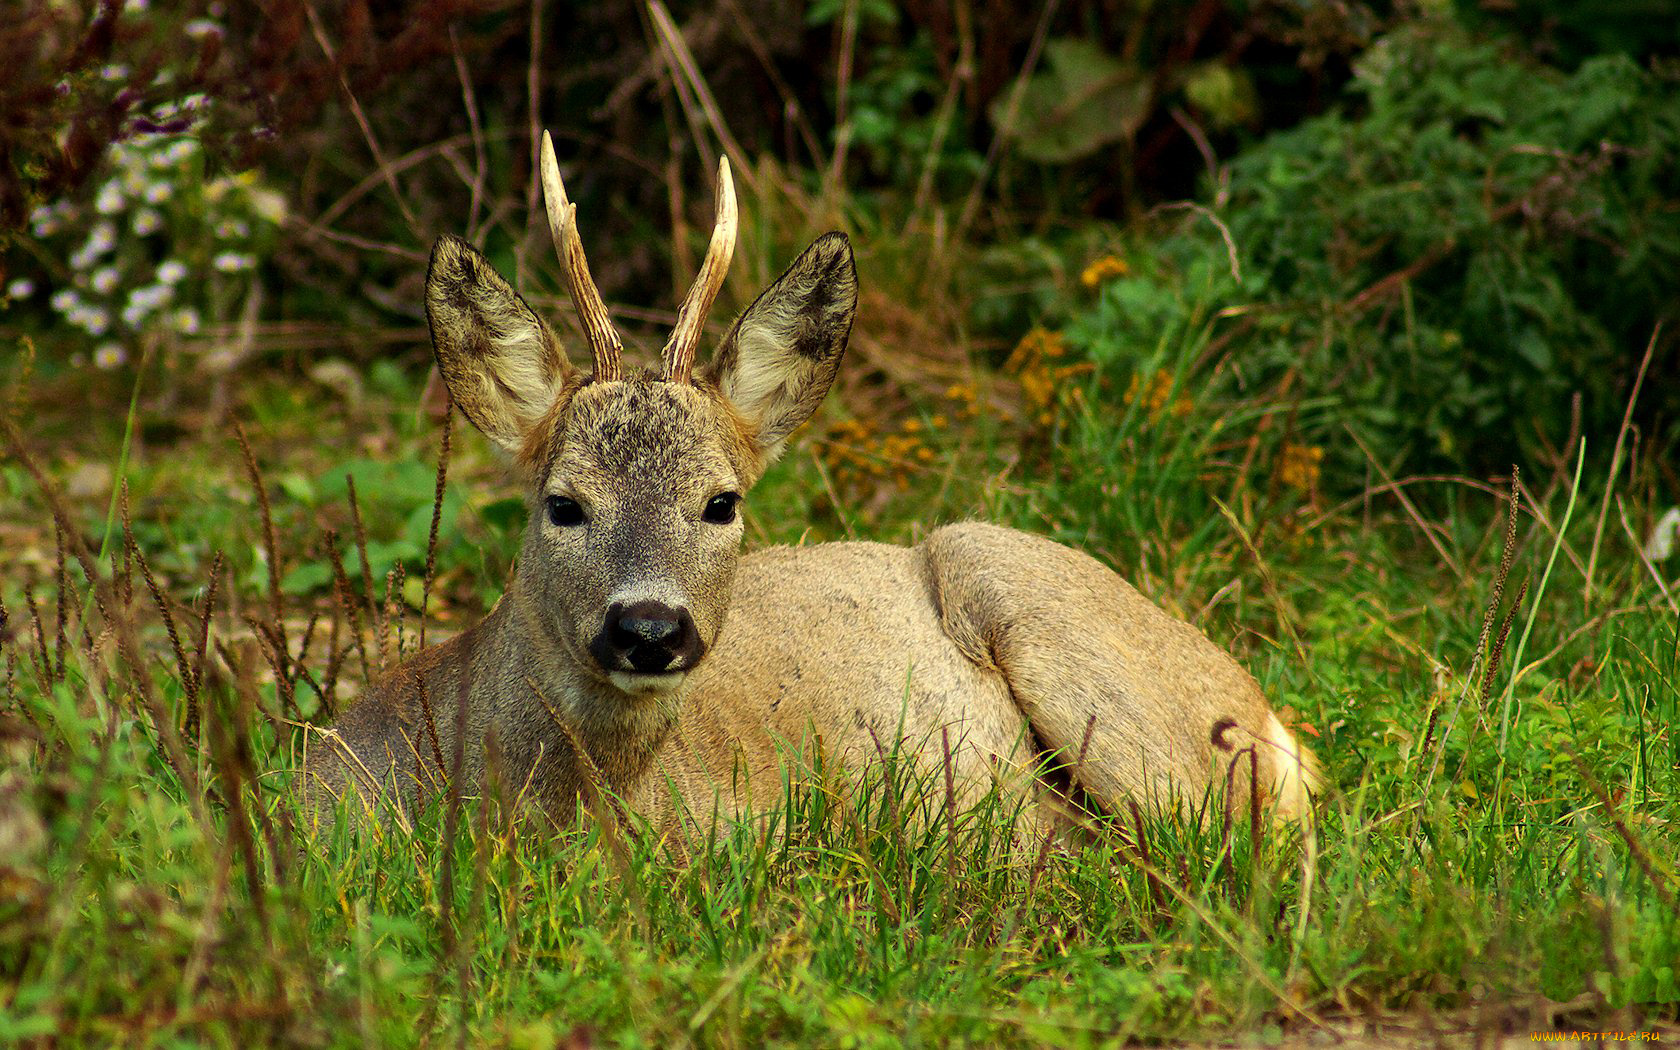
{"points": [[647, 637]]}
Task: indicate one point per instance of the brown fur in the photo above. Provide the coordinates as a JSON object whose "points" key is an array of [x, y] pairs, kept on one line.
{"points": [[1004, 643]]}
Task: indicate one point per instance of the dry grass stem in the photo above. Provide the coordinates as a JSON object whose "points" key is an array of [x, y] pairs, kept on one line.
{"points": [[437, 518], [1616, 464]]}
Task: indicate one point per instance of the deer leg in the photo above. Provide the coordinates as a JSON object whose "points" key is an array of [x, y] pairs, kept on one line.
{"points": [[1139, 705]]}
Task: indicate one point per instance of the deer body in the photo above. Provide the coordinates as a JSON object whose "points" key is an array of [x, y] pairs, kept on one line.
{"points": [[636, 646], [964, 639]]}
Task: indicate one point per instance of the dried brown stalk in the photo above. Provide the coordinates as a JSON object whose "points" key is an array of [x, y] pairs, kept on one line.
{"points": [[437, 518]]}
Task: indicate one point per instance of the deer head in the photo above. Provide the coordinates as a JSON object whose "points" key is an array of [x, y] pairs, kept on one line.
{"points": [[635, 477]]}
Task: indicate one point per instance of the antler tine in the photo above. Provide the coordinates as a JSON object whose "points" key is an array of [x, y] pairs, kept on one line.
{"points": [[691, 316], [592, 312]]}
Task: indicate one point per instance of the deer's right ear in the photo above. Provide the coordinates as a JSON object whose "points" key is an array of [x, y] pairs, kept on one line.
{"points": [[501, 363]]}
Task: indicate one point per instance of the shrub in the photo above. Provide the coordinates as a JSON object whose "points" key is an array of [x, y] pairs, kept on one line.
{"points": [[162, 247], [1450, 261]]}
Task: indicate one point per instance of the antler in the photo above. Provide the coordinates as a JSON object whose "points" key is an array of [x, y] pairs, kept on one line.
{"points": [[592, 312], [691, 316]]}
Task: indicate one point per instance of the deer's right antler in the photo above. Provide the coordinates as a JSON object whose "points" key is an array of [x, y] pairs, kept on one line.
{"points": [[592, 312]]}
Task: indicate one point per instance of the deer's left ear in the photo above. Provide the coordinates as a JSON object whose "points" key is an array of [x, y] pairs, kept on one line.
{"points": [[504, 368], [780, 356]]}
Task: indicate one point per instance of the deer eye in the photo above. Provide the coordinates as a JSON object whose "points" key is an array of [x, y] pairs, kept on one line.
{"points": [[720, 509], [564, 511]]}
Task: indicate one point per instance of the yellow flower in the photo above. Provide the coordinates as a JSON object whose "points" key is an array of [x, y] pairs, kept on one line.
{"points": [[1037, 344], [1160, 389], [1298, 465], [1104, 269]]}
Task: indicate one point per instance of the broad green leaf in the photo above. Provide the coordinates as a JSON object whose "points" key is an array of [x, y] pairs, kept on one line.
{"points": [[1083, 100]]}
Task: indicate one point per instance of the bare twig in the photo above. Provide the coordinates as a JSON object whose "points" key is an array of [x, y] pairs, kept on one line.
{"points": [[1231, 258], [481, 159], [1616, 463], [962, 75], [1411, 508], [695, 95], [1635, 847], [361, 119], [1645, 559], [792, 111], [842, 91], [1006, 127]]}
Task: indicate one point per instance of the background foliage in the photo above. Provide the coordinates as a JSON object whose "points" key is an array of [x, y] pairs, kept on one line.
{"points": [[1259, 302]]}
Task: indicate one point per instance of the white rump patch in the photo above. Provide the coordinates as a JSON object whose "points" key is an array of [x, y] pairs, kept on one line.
{"points": [[1297, 773]]}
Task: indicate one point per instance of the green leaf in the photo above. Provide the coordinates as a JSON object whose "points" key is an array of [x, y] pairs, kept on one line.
{"points": [[1083, 100], [507, 514], [310, 576], [298, 488], [1224, 95]]}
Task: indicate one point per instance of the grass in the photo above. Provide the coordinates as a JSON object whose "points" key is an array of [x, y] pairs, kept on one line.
{"points": [[1472, 872]]}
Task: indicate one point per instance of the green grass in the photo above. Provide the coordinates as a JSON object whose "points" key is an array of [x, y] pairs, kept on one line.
{"points": [[1462, 861]]}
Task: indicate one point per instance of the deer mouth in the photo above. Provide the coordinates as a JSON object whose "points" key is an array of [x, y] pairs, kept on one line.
{"points": [[647, 684]]}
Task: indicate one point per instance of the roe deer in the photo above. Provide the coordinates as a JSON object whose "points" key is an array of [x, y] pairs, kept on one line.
{"points": [[633, 628]]}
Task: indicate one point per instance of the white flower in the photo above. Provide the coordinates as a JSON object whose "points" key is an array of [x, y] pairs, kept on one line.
{"points": [[170, 271], [147, 221], [232, 262], [109, 355], [179, 150], [201, 27], [156, 192], [45, 221], [115, 71], [20, 288], [104, 279], [110, 199], [65, 300], [144, 301], [101, 240], [231, 229], [93, 320], [186, 320], [268, 206]]}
